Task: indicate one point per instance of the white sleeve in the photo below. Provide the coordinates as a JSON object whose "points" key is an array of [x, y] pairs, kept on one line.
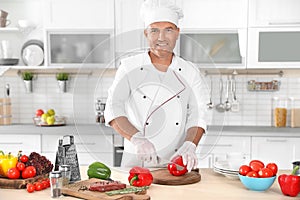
{"points": [[197, 109], [118, 94]]}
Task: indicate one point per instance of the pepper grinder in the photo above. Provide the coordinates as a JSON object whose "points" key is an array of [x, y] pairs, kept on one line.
{"points": [[100, 107]]}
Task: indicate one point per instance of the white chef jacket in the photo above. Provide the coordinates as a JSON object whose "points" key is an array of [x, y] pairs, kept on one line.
{"points": [[162, 105]]}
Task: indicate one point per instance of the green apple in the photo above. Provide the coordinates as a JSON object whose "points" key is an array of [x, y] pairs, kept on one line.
{"points": [[51, 120], [51, 112], [44, 117]]}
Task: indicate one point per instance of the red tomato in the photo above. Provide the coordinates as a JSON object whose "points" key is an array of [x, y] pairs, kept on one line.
{"points": [[256, 165], [24, 158], [265, 173], [13, 173], [45, 185], [29, 172], [48, 182], [39, 112], [244, 169], [253, 174], [20, 166], [38, 186], [273, 167], [30, 188]]}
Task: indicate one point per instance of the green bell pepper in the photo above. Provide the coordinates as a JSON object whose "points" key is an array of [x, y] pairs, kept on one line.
{"points": [[98, 170]]}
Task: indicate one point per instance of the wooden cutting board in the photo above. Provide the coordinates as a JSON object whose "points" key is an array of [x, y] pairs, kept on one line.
{"points": [[73, 190], [163, 177], [19, 183]]}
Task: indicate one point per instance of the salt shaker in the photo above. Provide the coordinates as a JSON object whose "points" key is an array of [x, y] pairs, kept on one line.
{"points": [[66, 174], [56, 183]]}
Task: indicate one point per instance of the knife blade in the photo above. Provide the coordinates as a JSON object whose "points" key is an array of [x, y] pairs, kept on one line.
{"points": [[164, 163]]}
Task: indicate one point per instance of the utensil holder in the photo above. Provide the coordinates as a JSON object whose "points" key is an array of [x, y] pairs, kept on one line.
{"points": [[28, 86], [62, 85]]}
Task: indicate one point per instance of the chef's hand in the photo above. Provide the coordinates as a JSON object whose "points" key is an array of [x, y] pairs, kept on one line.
{"points": [[188, 153], [144, 148]]}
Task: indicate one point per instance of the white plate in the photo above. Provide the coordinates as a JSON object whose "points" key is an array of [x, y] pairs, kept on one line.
{"points": [[223, 165], [226, 172], [33, 53], [227, 175]]}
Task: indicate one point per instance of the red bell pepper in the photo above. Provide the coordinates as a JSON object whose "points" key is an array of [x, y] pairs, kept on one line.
{"points": [[173, 169], [139, 177], [290, 184]]}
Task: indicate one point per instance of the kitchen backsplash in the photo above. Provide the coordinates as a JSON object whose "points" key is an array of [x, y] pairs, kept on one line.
{"points": [[78, 104]]}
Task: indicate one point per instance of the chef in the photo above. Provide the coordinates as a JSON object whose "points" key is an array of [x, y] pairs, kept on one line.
{"points": [[157, 100]]}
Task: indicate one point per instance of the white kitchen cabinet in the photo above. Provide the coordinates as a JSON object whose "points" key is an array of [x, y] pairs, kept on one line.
{"points": [[205, 160], [90, 148], [25, 143], [274, 13], [214, 14], [129, 28], [79, 14], [280, 150], [216, 148], [30, 11]]}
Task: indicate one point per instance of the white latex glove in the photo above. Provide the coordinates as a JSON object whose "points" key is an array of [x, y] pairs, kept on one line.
{"points": [[188, 153], [144, 148]]}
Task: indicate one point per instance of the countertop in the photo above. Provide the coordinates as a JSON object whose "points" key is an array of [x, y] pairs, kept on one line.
{"points": [[67, 129], [211, 186], [102, 129]]}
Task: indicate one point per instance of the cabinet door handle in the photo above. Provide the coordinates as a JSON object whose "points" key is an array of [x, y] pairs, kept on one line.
{"points": [[274, 140], [85, 143], [14, 143], [119, 151], [284, 23], [218, 145]]}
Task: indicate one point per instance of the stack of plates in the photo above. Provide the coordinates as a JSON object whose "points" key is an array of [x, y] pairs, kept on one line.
{"points": [[223, 168]]}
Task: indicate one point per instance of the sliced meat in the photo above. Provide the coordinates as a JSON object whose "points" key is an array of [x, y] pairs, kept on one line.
{"points": [[104, 186]]}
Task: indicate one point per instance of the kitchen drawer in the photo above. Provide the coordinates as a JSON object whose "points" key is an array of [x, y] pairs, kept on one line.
{"points": [[224, 144], [86, 143], [280, 150], [26, 143]]}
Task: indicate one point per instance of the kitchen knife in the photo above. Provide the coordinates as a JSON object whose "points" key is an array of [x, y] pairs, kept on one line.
{"points": [[164, 163]]}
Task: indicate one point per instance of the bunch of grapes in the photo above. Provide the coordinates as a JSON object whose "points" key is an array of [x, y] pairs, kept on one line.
{"points": [[41, 163]]}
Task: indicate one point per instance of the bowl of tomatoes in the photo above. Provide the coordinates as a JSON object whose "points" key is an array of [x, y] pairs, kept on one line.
{"points": [[257, 176]]}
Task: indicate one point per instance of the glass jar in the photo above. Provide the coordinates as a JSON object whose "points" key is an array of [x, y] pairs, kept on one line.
{"points": [[279, 111], [66, 174], [55, 183], [295, 112]]}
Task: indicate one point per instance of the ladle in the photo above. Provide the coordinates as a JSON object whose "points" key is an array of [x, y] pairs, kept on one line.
{"points": [[235, 107], [227, 103], [210, 105], [220, 107]]}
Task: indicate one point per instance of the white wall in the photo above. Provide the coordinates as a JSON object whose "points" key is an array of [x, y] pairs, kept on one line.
{"points": [[78, 103]]}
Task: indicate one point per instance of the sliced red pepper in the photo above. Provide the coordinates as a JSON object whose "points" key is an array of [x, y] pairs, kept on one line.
{"points": [[139, 177], [173, 169], [290, 184]]}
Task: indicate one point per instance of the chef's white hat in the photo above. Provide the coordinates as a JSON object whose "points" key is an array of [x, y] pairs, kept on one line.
{"points": [[160, 11]]}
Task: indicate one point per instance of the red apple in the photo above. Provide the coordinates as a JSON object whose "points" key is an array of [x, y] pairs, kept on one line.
{"points": [[39, 112]]}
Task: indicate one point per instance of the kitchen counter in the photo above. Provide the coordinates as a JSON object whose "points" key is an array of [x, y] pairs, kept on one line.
{"points": [[67, 129], [102, 129], [211, 186]]}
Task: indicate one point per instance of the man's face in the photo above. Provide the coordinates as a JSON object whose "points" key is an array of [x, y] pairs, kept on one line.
{"points": [[161, 37]]}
